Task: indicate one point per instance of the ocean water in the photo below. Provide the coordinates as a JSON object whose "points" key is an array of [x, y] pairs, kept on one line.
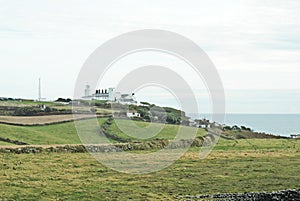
{"points": [[278, 124]]}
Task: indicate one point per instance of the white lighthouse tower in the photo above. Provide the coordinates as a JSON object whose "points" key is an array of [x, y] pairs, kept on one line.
{"points": [[87, 90]]}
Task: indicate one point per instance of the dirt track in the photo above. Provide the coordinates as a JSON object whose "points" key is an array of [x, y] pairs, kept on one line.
{"points": [[42, 146], [42, 120]]}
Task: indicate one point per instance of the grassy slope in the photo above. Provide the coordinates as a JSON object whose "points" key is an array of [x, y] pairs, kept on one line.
{"points": [[26, 103], [168, 131], [5, 143], [64, 133], [258, 144], [49, 104], [265, 165]]}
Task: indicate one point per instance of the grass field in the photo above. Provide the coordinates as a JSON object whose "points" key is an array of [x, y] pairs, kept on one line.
{"points": [[5, 143], [64, 133], [58, 106], [27, 103], [168, 131], [233, 166], [263, 165]]}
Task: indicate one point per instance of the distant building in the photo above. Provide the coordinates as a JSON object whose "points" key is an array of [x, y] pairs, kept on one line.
{"points": [[42, 107], [126, 99], [295, 136], [109, 94], [193, 123], [100, 94], [204, 123], [200, 123], [133, 114], [87, 90], [204, 126]]}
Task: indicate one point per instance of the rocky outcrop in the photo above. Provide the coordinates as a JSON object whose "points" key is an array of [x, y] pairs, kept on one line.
{"points": [[287, 195]]}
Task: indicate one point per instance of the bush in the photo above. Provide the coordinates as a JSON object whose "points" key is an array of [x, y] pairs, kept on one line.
{"points": [[63, 100], [26, 111], [48, 109], [227, 128], [137, 118], [93, 110], [240, 136], [198, 141]]}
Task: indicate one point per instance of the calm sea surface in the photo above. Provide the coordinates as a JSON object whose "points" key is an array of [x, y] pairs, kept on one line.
{"points": [[278, 124]]}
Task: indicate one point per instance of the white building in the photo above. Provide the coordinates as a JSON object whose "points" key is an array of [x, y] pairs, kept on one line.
{"points": [[204, 126], [295, 136], [109, 95], [133, 114], [100, 94], [126, 99], [193, 123]]}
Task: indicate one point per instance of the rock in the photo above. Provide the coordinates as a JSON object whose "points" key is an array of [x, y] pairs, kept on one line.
{"points": [[289, 195]]}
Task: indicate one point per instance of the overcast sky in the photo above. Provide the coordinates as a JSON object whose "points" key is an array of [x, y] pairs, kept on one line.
{"points": [[254, 44]]}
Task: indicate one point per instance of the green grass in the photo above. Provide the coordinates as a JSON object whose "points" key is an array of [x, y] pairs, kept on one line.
{"points": [[233, 166], [55, 105], [64, 133], [5, 143], [257, 144], [168, 131], [67, 176], [27, 103]]}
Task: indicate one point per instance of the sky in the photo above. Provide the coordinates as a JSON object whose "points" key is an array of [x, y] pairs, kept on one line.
{"points": [[254, 44]]}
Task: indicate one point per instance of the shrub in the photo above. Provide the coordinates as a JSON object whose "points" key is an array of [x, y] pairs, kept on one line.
{"points": [[240, 136], [26, 111]]}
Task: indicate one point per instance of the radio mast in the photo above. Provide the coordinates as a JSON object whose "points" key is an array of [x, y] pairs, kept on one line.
{"points": [[40, 91]]}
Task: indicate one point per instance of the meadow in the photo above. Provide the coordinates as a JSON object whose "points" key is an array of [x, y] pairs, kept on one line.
{"points": [[160, 131], [66, 133], [233, 166], [262, 165]]}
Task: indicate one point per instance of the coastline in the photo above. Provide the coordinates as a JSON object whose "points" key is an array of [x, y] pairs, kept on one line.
{"points": [[275, 124]]}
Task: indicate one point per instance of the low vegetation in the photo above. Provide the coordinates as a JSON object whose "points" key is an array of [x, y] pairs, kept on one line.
{"points": [[234, 166], [263, 165], [168, 131], [64, 133]]}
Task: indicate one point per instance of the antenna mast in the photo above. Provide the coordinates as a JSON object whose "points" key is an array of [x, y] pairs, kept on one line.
{"points": [[40, 90]]}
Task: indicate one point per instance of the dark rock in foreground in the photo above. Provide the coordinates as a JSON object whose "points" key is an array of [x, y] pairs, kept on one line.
{"points": [[286, 195]]}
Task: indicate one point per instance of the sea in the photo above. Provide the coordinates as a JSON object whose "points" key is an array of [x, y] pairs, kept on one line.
{"points": [[277, 124]]}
